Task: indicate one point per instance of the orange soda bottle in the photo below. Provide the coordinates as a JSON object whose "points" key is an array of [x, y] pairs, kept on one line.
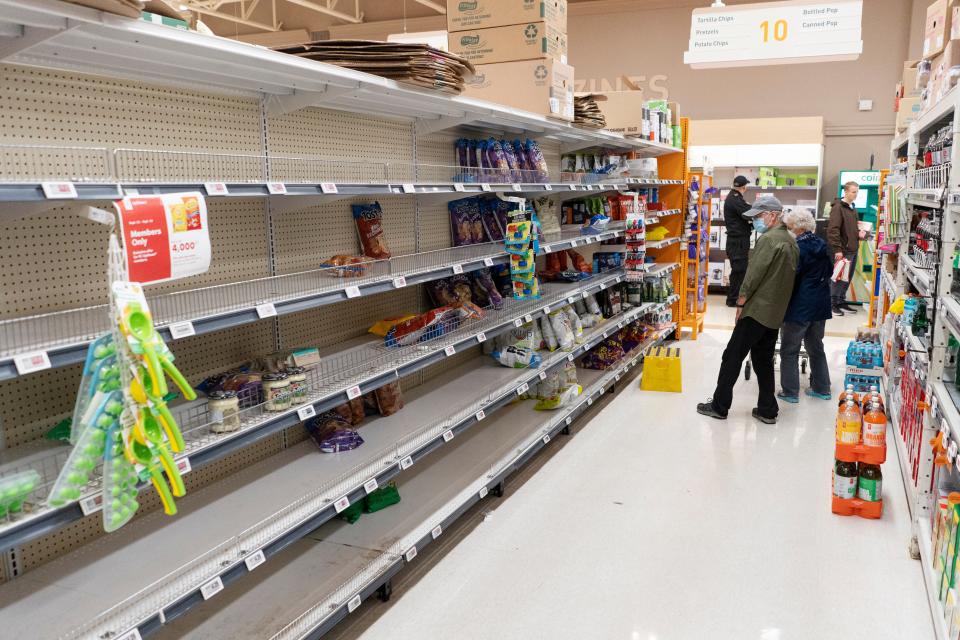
{"points": [[848, 423], [874, 426], [849, 394]]}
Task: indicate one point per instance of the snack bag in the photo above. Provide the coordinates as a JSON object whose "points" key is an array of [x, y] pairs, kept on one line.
{"points": [[382, 328], [517, 358], [592, 305], [563, 330], [561, 398], [441, 292], [549, 335], [579, 263], [461, 288], [491, 222], [342, 266], [575, 324], [427, 326], [389, 398], [464, 214], [485, 279], [369, 221]]}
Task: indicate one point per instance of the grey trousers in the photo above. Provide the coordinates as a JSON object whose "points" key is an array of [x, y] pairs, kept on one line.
{"points": [[811, 335]]}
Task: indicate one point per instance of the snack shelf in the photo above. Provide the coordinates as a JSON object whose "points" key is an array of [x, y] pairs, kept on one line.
{"points": [[65, 335], [56, 35], [272, 504], [360, 366], [662, 244], [654, 217], [950, 307], [385, 542], [917, 275], [925, 542]]}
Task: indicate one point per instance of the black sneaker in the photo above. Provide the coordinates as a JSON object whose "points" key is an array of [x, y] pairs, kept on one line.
{"points": [[847, 308], [763, 419], [837, 311], [706, 409]]}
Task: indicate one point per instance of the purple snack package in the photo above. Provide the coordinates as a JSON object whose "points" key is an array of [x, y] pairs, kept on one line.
{"points": [[485, 279], [499, 160], [516, 174], [521, 157], [491, 224], [503, 280], [463, 214], [536, 161], [463, 153], [441, 293]]}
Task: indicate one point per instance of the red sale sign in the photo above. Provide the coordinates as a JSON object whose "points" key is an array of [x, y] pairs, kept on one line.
{"points": [[165, 237]]}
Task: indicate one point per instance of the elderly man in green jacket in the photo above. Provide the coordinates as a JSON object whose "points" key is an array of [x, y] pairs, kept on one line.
{"points": [[764, 297]]}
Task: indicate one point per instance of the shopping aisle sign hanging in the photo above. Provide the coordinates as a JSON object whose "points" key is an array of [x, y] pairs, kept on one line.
{"points": [[165, 237], [775, 33]]}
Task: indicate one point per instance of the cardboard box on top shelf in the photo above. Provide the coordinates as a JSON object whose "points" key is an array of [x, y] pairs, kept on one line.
{"points": [[623, 111], [909, 84], [540, 86], [937, 28], [463, 15], [530, 41], [909, 111]]}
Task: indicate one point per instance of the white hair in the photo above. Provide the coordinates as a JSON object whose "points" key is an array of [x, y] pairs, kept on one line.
{"points": [[802, 220]]}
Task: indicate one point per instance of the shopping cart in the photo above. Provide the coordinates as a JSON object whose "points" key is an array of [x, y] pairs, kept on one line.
{"points": [[748, 366]]}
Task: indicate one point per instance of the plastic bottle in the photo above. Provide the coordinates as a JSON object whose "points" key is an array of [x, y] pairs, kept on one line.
{"points": [[845, 479], [874, 426], [870, 483], [848, 423], [849, 394]]}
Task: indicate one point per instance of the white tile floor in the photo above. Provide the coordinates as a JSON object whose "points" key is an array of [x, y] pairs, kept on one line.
{"points": [[655, 523]]}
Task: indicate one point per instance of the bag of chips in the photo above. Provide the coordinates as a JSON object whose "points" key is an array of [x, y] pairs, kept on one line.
{"points": [[382, 328], [549, 335], [575, 324], [517, 357], [441, 292], [389, 398], [563, 330], [369, 220], [332, 433], [341, 266], [464, 215], [484, 279]]}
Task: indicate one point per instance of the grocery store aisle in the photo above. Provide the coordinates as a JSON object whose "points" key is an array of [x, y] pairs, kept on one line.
{"points": [[654, 523]]}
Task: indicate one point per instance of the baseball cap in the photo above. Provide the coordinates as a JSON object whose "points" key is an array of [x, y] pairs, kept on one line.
{"points": [[763, 204], [740, 181]]}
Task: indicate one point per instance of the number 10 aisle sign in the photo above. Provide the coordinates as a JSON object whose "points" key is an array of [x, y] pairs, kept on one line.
{"points": [[775, 33]]}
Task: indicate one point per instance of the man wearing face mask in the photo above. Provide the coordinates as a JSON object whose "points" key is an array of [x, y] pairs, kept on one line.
{"points": [[739, 230], [764, 297]]}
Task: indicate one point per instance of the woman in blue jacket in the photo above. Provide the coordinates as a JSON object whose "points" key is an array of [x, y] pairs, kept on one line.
{"points": [[808, 312]]}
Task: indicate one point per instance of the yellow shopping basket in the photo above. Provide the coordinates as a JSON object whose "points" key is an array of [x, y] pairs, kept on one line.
{"points": [[661, 371]]}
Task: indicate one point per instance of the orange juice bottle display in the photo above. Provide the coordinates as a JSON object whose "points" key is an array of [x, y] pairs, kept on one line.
{"points": [[849, 394], [848, 424], [872, 397], [874, 426]]}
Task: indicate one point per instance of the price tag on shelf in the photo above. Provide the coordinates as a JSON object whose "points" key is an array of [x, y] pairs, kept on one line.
{"points": [[353, 603], [410, 554], [91, 504], [254, 560], [353, 392], [133, 634], [448, 435], [276, 188], [546, 309], [484, 187], [618, 279], [399, 282], [216, 188], [574, 242], [370, 486], [522, 389], [342, 504], [457, 268], [306, 412], [458, 186], [516, 187], [569, 357], [406, 463], [450, 350], [409, 188], [603, 285], [59, 190], [568, 420], [480, 415], [589, 401], [528, 318], [483, 493], [543, 375], [547, 248], [518, 322], [266, 310], [182, 330], [328, 187], [183, 465], [212, 588], [584, 294], [481, 337], [572, 187], [352, 291], [437, 530], [31, 362], [488, 262], [548, 187], [617, 377], [546, 438]]}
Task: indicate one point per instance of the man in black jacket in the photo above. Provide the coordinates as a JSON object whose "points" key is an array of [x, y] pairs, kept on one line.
{"points": [[739, 230], [843, 236]]}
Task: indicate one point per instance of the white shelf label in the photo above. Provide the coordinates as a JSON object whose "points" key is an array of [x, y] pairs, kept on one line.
{"points": [[266, 310], [342, 504], [134, 634], [328, 187], [481, 337], [571, 299], [488, 262], [91, 504], [30, 362], [306, 412], [620, 325], [410, 554], [437, 530], [572, 187], [212, 588], [450, 350], [458, 186], [399, 282], [546, 438], [353, 603], [547, 248], [568, 420], [481, 415], [59, 190], [570, 357], [518, 322], [589, 401], [617, 377], [254, 560], [574, 242], [603, 285], [353, 392], [276, 188], [406, 463], [548, 187], [584, 294], [528, 318], [618, 279], [484, 187], [546, 309], [182, 330], [409, 188], [483, 493], [457, 268], [352, 292], [183, 465], [517, 187], [543, 375], [522, 389], [448, 435], [216, 188], [370, 486]]}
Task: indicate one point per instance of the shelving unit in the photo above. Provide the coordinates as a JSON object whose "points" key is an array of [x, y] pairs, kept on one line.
{"points": [[694, 305], [294, 142]]}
